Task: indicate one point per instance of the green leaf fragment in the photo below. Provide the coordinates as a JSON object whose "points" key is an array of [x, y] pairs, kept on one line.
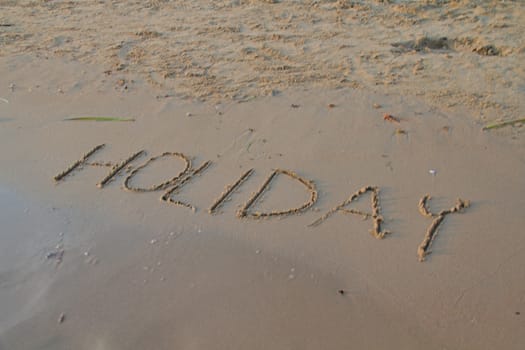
{"points": [[502, 124], [102, 119]]}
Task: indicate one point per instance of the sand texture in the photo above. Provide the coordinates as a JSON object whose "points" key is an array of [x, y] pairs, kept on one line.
{"points": [[262, 175], [454, 54]]}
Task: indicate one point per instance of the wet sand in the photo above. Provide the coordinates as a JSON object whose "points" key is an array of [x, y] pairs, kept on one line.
{"points": [[85, 267]]}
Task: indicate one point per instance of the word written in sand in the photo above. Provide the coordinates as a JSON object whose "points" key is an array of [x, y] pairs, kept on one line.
{"points": [[173, 185]]}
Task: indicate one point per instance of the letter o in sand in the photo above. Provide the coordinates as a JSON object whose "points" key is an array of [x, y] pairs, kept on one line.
{"points": [[160, 186]]}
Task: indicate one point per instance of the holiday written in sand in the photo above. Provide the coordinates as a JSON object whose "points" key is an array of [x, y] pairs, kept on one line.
{"points": [[175, 184]]}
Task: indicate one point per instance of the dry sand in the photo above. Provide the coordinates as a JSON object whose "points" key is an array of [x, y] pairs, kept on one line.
{"points": [[453, 54], [83, 267]]}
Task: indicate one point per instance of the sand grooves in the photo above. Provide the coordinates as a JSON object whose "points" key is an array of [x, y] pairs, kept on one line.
{"points": [[168, 196], [163, 185], [175, 184], [78, 163], [424, 247], [115, 168], [118, 167], [244, 211], [377, 232], [229, 190]]}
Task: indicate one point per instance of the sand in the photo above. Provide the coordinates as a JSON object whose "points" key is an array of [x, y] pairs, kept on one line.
{"points": [[453, 54], [294, 89]]}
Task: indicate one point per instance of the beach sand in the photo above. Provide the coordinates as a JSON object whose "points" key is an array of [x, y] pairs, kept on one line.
{"points": [[290, 86]]}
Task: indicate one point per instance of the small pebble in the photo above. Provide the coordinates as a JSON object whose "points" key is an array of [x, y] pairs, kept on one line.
{"points": [[153, 241], [341, 291], [188, 114], [61, 318]]}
